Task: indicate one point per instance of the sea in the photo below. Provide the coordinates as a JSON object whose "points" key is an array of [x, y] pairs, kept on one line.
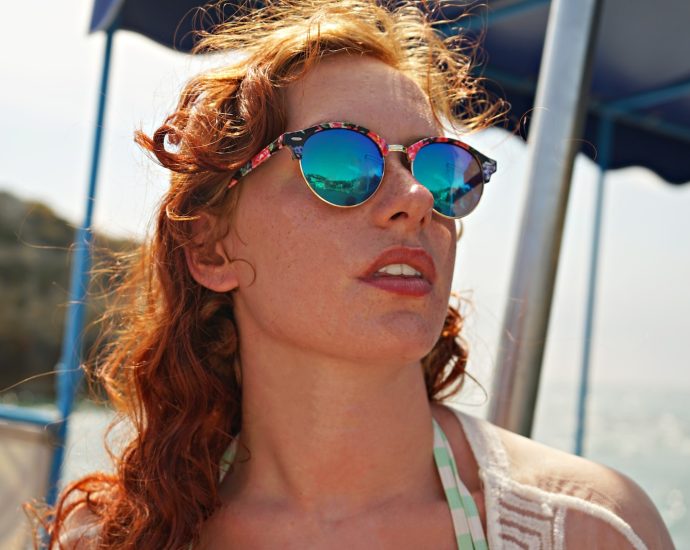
{"points": [[643, 432]]}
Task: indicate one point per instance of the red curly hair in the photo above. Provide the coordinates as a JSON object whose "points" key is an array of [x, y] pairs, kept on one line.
{"points": [[170, 367]]}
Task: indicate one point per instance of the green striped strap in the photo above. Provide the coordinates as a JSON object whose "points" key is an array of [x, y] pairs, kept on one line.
{"points": [[466, 523], [228, 458]]}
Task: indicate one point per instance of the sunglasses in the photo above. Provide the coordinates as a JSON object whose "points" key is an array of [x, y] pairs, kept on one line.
{"points": [[343, 164]]}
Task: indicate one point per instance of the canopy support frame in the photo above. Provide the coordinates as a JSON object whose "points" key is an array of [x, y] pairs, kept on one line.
{"points": [[559, 115], [605, 142], [69, 370]]}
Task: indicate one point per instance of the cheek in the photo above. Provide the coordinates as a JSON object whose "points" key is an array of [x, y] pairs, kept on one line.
{"points": [[300, 291], [290, 238]]}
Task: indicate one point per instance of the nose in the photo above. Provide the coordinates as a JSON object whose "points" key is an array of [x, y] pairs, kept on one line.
{"points": [[401, 200]]}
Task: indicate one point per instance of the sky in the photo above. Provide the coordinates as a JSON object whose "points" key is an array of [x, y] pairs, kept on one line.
{"points": [[50, 73]]}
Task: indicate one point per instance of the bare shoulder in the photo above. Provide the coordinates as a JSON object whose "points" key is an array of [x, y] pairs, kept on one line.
{"points": [[559, 472]]}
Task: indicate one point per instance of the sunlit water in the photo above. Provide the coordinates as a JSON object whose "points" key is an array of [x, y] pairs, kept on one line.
{"points": [[644, 434]]}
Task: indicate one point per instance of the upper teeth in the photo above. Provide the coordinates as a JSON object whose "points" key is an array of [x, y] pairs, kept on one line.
{"points": [[400, 269]]}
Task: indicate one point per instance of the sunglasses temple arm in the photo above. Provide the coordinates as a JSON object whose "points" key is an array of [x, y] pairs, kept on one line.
{"points": [[258, 159], [488, 165]]}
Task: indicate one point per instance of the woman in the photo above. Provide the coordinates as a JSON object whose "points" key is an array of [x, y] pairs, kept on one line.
{"points": [[287, 330]]}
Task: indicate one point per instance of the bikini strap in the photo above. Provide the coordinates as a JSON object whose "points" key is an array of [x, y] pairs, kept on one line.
{"points": [[227, 459], [466, 523]]}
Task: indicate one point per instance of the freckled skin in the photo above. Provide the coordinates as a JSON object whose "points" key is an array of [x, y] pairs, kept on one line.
{"points": [[308, 255]]}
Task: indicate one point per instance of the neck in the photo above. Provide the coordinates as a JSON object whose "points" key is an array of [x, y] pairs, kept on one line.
{"points": [[331, 436]]}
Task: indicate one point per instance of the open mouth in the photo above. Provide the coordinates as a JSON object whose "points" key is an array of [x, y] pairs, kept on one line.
{"points": [[402, 270]]}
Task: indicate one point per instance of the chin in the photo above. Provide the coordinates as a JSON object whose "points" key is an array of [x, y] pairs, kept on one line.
{"points": [[406, 340]]}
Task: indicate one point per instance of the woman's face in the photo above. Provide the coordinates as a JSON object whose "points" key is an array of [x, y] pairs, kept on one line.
{"points": [[312, 289]]}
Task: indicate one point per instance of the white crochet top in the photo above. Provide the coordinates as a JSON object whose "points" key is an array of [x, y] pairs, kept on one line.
{"points": [[521, 516]]}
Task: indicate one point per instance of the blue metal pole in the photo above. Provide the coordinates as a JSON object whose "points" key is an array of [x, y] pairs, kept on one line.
{"points": [[69, 366], [605, 143], [651, 98]]}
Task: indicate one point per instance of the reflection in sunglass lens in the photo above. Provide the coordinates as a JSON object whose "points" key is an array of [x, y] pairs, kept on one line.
{"points": [[341, 166], [453, 176]]}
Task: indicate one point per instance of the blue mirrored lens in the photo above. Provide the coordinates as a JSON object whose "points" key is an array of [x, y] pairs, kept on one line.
{"points": [[342, 166], [453, 176]]}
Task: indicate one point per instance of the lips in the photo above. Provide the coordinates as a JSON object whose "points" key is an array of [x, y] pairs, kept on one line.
{"points": [[406, 285]]}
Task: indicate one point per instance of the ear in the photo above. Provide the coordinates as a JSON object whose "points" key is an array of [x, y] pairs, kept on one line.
{"points": [[208, 263]]}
